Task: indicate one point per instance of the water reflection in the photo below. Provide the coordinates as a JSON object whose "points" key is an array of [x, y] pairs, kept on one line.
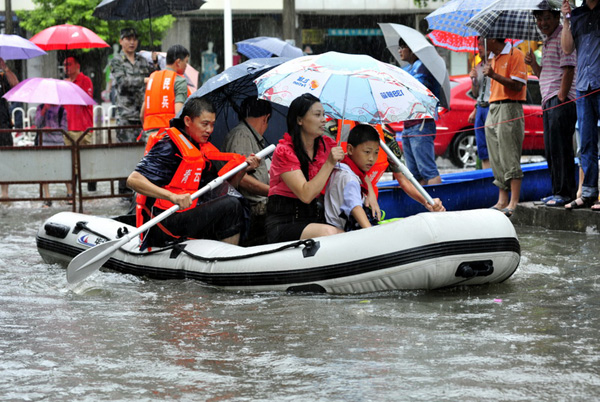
{"points": [[124, 338]]}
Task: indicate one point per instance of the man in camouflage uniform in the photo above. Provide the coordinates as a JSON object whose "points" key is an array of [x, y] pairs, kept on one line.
{"points": [[130, 72]]}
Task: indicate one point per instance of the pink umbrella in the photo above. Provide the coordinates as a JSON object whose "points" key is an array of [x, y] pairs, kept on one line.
{"points": [[48, 90]]}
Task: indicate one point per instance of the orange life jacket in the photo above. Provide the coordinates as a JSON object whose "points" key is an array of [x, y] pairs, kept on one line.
{"points": [[159, 99], [154, 138], [187, 176]]}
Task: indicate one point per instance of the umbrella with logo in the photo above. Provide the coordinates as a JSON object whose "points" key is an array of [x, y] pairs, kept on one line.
{"points": [[48, 90], [266, 46], [14, 47], [424, 50], [353, 87], [513, 18], [228, 89], [66, 36], [350, 86], [143, 9]]}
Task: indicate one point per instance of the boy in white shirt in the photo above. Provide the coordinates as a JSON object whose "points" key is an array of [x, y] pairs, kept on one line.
{"points": [[348, 185]]}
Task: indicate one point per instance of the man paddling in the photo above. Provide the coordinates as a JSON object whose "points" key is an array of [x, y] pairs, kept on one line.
{"points": [[177, 166]]}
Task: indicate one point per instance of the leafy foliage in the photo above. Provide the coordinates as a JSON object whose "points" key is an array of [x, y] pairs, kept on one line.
{"points": [[423, 3], [79, 12]]}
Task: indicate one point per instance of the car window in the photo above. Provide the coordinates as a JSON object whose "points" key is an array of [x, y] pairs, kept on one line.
{"points": [[534, 96]]}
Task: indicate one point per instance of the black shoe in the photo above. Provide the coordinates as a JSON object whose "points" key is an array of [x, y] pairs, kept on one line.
{"points": [[91, 186]]}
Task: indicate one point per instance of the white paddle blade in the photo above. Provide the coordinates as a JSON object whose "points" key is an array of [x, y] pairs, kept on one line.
{"points": [[88, 262]]}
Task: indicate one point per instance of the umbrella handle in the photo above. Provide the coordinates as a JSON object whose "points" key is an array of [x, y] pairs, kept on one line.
{"points": [[406, 172]]}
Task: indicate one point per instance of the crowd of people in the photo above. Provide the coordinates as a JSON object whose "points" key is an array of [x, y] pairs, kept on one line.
{"points": [[569, 82], [311, 186]]}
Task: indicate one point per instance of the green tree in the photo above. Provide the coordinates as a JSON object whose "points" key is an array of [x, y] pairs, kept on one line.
{"points": [[423, 3], [79, 12]]}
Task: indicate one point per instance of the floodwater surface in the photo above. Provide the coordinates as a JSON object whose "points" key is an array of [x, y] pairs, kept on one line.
{"points": [[122, 338]]}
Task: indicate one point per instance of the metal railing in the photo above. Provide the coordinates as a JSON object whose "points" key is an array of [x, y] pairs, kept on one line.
{"points": [[102, 117], [74, 164]]}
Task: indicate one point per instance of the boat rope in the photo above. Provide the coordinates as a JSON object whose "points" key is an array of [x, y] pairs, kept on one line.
{"points": [[310, 247], [308, 244], [176, 249]]}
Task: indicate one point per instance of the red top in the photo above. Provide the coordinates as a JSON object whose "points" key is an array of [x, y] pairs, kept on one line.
{"points": [[80, 118], [285, 160]]}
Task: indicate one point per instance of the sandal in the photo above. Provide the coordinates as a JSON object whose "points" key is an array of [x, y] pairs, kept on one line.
{"points": [[546, 199], [47, 204], [508, 212], [556, 201], [596, 206], [70, 200], [581, 202]]}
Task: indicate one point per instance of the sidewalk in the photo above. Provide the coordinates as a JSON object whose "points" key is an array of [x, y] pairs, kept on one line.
{"points": [[555, 218]]}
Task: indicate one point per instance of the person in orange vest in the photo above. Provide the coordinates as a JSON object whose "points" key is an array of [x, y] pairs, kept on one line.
{"points": [[166, 92], [176, 167]]}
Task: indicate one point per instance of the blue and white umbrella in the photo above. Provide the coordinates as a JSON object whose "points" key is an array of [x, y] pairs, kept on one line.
{"points": [[266, 46], [350, 86], [453, 16]]}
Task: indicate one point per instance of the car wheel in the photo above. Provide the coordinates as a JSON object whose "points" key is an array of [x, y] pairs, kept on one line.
{"points": [[463, 152]]}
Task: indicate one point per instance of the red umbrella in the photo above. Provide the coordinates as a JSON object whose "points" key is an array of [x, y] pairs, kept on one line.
{"points": [[452, 41], [63, 37], [457, 43]]}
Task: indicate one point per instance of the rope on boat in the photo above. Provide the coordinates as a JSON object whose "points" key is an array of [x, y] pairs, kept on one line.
{"points": [[308, 244], [310, 248], [178, 248]]}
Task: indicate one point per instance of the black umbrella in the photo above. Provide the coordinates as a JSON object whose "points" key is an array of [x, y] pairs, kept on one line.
{"points": [[141, 9], [227, 91]]}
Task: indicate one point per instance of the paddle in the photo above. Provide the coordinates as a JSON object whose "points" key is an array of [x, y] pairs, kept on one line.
{"points": [[405, 172], [88, 262]]}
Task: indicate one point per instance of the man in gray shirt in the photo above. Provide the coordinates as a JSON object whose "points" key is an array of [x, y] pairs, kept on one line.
{"points": [[247, 138]]}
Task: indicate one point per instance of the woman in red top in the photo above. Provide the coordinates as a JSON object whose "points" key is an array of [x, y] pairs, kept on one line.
{"points": [[301, 166]]}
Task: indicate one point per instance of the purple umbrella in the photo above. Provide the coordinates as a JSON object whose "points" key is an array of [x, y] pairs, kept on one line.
{"points": [[14, 47], [48, 90]]}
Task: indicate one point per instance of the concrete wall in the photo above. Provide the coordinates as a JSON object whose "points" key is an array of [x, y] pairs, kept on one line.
{"points": [[179, 34]]}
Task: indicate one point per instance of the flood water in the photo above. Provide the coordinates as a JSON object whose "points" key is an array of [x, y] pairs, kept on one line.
{"points": [[123, 338]]}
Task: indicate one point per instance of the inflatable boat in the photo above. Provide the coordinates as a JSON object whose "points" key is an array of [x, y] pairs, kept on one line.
{"points": [[425, 251]]}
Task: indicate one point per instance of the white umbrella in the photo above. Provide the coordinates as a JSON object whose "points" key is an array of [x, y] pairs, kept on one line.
{"points": [[424, 50], [350, 86]]}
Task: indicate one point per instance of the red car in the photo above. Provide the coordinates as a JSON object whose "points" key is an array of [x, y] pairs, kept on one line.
{"points": [[455, 137]]}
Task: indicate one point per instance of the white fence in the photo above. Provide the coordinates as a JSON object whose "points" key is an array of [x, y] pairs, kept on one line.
{"points": [[104, 116]]}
